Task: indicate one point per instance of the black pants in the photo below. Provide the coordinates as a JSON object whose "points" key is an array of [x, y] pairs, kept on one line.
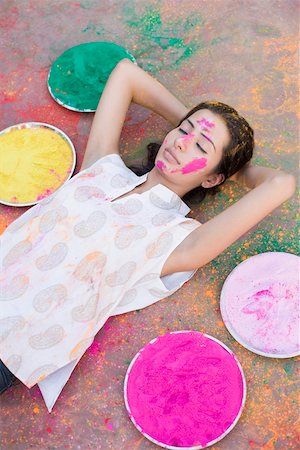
{"points": [[7, 379]]}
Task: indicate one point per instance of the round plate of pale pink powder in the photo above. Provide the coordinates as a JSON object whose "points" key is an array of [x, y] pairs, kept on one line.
{"points": [[184, 390], [260, 304]]}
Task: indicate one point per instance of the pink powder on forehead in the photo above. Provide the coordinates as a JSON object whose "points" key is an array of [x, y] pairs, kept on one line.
{"points": [[195, 165], [185, 389], [260, 303], [206, 123]]}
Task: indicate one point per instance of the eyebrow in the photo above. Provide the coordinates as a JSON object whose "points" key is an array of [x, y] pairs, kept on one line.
{"points": [[206, 137]]}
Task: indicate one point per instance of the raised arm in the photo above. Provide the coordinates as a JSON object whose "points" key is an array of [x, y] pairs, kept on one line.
{"points": [[127, 83], [270, 188]]}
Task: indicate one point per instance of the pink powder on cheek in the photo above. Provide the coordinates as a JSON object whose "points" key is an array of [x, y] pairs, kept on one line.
{"points": [[184, 389], [160, 165], [195, 165], [205, 123]]}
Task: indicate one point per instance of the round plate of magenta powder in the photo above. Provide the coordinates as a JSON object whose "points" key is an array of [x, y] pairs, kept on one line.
{"points": [[260, 304], [78, 76], [184, 390]]}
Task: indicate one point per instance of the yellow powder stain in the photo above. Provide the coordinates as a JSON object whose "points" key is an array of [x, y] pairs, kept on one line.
{"points": [[34, 163], [36, 410]]}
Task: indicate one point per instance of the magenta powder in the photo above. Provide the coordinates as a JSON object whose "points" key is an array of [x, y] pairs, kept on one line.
{"points": [[193, 166], [160, 165], [184, 389]]}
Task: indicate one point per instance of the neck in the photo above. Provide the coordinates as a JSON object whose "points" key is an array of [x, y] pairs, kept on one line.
{"points": [[155, 177]]}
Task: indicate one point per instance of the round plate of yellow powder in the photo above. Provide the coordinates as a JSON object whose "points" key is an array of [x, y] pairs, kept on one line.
{"points": [[36, 159]]}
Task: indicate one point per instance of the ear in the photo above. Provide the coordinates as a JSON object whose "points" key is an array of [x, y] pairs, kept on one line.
{"points": [[213, 180]]}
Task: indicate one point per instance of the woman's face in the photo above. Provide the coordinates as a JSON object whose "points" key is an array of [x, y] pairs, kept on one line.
{"points": [[191, 152]]}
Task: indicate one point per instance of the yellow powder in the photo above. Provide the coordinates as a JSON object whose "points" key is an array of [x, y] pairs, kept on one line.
{"points": [[34, 162]]}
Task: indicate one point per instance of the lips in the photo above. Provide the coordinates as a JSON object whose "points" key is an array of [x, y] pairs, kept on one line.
{"points": [[170, 156]]}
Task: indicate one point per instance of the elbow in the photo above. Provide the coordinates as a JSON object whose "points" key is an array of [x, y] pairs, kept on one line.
{"points": [[125, 62], [286, 183]]}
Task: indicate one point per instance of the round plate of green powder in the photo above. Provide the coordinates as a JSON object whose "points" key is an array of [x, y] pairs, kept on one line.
{"points": [[77, 77]]}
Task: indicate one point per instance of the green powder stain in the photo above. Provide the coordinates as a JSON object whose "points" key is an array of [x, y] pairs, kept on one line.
{"points": [[152, 21], [287, 367], [288, 134], [77, 78], [166, 42], [217, 40], [150, 29], [91, 28], [268, 31], [138, 154], [88, 28], [86, 5]]}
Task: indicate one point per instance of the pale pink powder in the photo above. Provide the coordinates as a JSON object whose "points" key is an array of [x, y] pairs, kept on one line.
{"points": [[260, 303], [184, 389]]}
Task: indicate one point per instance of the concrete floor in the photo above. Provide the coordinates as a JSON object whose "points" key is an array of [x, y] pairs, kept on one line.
{"points": [[243, 53]]}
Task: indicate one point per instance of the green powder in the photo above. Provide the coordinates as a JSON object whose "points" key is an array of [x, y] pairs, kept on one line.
{"points": [[78, 76]]}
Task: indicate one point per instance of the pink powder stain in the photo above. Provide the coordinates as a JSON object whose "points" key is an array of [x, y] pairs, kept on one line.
{"points": [[184, 389], [88, 175], [187, 137], [195, 165], [259, 306], [94, 349], [260, 303], [160, 165], [108, 424], [44, 194], [53, 172], [205, 123]]}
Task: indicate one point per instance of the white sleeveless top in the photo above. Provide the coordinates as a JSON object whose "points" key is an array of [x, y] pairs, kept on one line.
{"points": [[76, 259]]}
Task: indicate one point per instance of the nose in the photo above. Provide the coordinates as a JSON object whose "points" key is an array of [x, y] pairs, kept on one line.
{"points": [[182, 143]]}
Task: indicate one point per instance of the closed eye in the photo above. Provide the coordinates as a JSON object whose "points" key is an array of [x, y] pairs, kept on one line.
{"points": [[198, 145], [202, 149]]}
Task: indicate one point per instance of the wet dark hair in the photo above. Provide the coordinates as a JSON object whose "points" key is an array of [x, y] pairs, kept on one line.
{"points": [[236, 154]]}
